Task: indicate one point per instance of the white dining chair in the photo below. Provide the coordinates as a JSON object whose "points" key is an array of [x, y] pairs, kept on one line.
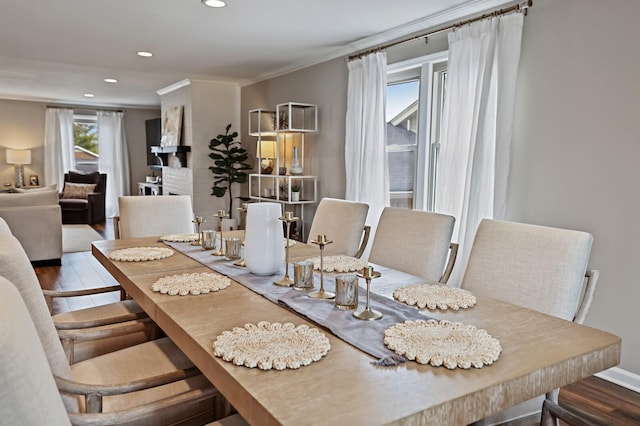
{"points": [[343, 222], [127, 380], [153, 216], [416, 242], [116, 325], [536, 267]]}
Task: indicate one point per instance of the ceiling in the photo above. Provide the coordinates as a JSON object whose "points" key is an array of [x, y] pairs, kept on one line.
{"points": [[55, 51]]}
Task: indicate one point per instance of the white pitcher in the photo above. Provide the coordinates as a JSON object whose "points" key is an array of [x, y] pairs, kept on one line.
{"points": [[264, 239]]}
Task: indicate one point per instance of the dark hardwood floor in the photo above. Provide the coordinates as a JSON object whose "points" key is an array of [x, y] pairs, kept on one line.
{"points": [[604, 401]]}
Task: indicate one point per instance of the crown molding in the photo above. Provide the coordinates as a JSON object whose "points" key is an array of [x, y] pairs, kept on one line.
{"points": [[411, 28]]}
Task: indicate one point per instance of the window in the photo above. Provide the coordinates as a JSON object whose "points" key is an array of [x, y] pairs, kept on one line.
{"points": [[85, 138], [415, 98]]}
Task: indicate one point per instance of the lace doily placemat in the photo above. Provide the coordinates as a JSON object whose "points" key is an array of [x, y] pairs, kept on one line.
{"points": [[194, 284], [435, 297], [339, 263], [452, 344], [271, 345], [180, 238], [140, 254]]}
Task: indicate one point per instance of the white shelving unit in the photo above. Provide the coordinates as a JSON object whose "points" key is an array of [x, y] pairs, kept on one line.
{"points": [[287, 126]]}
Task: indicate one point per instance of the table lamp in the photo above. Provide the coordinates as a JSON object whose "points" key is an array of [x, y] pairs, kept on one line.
{"points": [[19, 157], [266, 152]]}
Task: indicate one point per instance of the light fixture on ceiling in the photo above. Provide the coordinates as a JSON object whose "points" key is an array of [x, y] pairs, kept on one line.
{"points": [[110, 80], [88, 95], [214, 3], [145, 54]]}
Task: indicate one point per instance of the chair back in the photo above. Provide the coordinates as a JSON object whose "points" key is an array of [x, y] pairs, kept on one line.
{"points": [[536, 267], [154, 215], [28, 394], [4, 228], [342, 222], [413, 241], [99, 179]]}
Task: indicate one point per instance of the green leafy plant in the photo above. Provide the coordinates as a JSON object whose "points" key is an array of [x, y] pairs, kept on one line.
{"points": [[295, 188], [229, 165]]}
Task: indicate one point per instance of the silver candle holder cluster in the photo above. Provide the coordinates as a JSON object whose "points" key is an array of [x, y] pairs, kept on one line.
{"points": [[287, 218]]}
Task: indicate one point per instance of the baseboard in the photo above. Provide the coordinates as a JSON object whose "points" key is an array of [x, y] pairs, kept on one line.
{"points": [[621, 377]]}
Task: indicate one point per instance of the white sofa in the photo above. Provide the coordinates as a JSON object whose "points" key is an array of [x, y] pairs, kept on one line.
{"points": [[35, 219]]}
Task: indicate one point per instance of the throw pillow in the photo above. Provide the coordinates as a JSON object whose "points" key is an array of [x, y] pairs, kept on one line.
{"points": [[77, 190]]}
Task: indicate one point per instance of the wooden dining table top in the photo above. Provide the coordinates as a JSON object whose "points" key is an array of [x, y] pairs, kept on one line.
{"points": [[539, 353]]}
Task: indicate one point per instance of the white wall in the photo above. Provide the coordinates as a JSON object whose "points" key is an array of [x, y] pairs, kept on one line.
{"points": [[576, 138], [208, 108]]}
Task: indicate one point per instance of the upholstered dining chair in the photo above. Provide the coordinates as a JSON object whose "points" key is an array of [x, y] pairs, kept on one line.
{"points": [[343, 222], [537, 267], [33, 394], [153, 216], [114, 325], [126, 379], [416, 242]]}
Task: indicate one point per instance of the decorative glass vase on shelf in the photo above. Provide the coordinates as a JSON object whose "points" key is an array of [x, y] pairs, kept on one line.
{"points": [[296, 167]]}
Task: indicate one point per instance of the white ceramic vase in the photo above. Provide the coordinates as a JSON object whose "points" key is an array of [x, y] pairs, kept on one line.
{"points": [[263, 241]]}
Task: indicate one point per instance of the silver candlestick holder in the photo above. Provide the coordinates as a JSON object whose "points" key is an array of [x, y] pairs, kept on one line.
{"points": [[285, 281], [198, 221], [243, 213], [220, 215], [322, 241], [367, 313]]}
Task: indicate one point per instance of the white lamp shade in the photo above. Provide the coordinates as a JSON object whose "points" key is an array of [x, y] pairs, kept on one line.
{"points": [[266, 149], [18, 156]]}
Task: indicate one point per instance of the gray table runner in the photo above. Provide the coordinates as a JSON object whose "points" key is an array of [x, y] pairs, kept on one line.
{"points": [[365, 335]]}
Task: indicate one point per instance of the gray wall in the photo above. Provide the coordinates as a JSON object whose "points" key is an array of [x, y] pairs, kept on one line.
{"points": [[324, 85], [575, 138], [22, 127]]}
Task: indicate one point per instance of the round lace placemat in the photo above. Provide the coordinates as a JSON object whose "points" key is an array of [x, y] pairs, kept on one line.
{"points": [[271, 345], [180, 238], [339, 263], [194, 284], [435, 297], [140, 254], [452, 344]]}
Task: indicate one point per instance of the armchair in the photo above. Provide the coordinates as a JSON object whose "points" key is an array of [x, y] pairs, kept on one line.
{"points": [[81, 203]]}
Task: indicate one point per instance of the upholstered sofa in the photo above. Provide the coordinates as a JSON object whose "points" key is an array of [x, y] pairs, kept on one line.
{"points": [[35, 219]]}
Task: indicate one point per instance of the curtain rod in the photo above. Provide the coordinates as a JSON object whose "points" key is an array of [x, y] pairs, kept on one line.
{"points": [[515, 8], [82, 107]]}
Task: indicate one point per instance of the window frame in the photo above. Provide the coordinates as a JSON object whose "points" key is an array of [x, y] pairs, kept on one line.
{"points": [[428, 71]]}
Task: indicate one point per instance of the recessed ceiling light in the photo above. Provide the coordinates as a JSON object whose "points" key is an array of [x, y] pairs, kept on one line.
{"points": [[145, 54], [110, 80], [214, 3], [88, 95]]}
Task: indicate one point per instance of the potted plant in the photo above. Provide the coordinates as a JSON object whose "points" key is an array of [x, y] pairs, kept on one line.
{"points": [[295, 193], [229, 165]]}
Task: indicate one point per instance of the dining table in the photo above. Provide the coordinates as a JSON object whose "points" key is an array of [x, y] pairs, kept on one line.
{"points": [[539, 352]]}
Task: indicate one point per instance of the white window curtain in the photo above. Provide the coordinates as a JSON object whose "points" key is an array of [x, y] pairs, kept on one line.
{"points": [[365, 156], [114, 158], [58, 145], [476, 129]]}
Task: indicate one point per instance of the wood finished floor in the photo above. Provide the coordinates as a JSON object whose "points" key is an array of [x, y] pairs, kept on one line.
{"points": [[605, 402]]}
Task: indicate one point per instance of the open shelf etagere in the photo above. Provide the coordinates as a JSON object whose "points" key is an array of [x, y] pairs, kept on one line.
{"points": [[287, 125]]}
